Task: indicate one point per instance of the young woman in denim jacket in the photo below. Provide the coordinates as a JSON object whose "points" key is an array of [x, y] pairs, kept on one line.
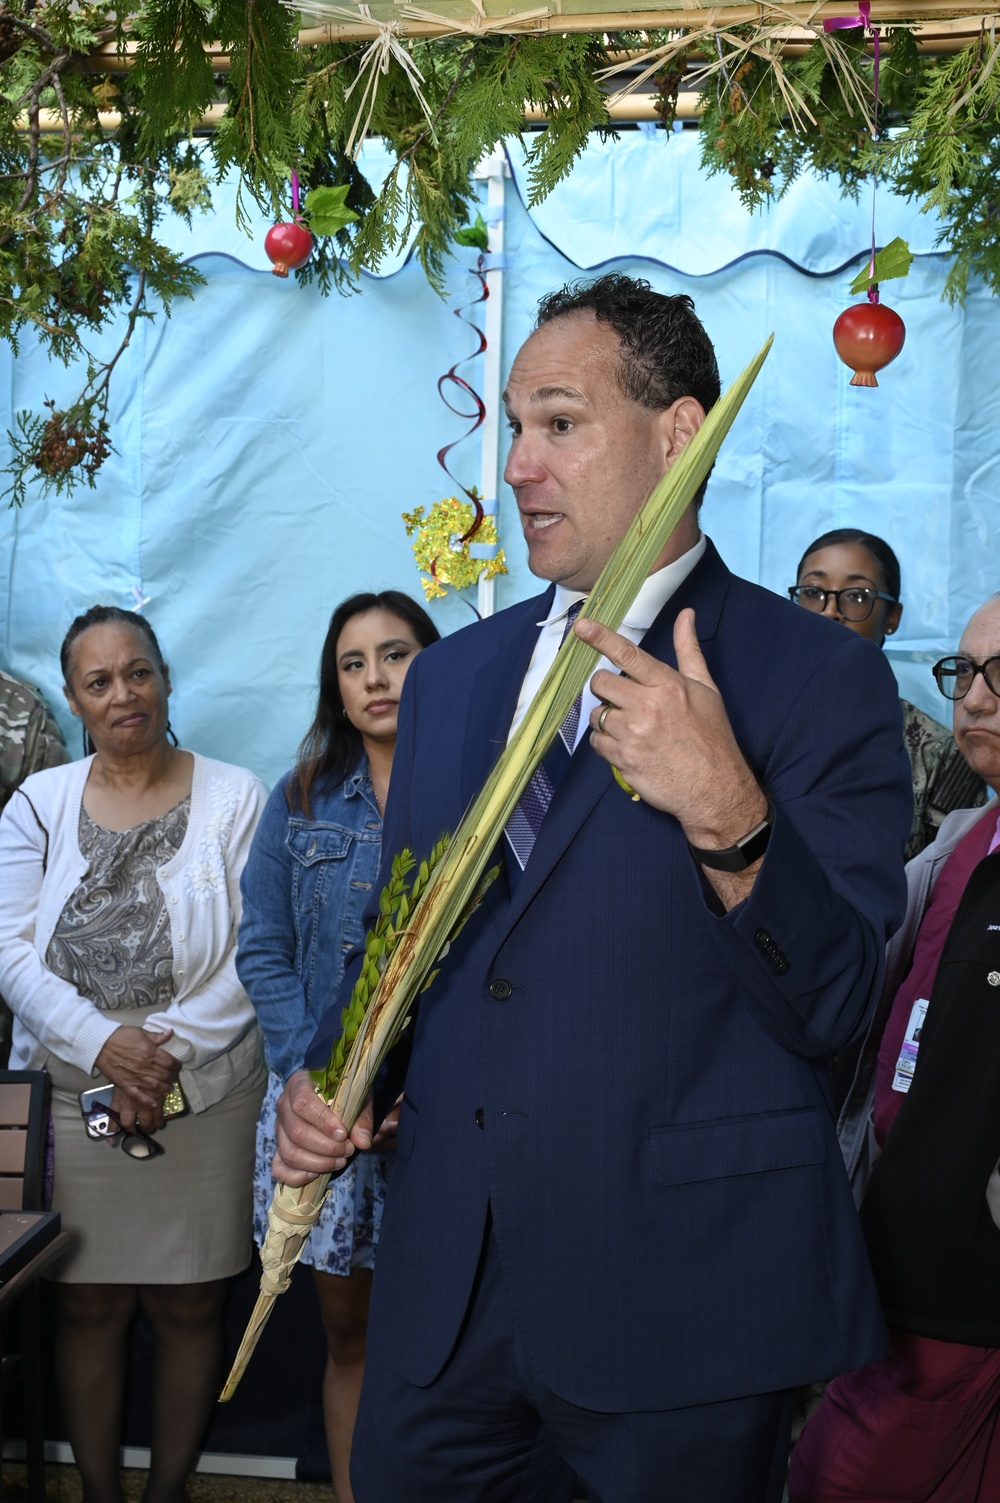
{"points": [[312, 865]]}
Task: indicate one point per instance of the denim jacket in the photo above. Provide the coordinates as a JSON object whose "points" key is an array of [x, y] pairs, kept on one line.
{"points": [[305, 888]]}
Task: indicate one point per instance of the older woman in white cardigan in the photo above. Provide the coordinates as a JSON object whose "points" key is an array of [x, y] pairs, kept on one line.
{"points": [[119, 904]]}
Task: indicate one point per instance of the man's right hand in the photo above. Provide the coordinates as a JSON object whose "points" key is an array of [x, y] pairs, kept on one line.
{"points": [[310, 1136]]}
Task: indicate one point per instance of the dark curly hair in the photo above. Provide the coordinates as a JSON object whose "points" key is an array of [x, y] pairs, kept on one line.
{"points": [[666, 353], [331, 747]]}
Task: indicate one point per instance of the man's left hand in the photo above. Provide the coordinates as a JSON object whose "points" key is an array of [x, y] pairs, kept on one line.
{"points": [[667, 732]]}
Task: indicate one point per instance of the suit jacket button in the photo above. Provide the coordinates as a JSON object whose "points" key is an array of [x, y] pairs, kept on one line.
{"points": [[480, 1117], [500, 990]]}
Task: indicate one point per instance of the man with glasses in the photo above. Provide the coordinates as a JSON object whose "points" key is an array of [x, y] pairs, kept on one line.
{"points": [[920, 1134]]}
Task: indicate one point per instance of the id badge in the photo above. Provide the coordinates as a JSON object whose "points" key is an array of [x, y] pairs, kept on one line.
{"points": [[907, 1061]]}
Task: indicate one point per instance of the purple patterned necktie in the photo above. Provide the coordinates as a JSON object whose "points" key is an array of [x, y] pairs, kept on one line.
{"points": [[526, 820]]}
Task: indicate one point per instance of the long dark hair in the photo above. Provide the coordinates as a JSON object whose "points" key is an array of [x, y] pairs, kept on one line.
{"points": [[108, 615], [331, 747], [877, 547]]}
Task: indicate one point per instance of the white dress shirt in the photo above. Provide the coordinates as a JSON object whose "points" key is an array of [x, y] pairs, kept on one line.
{"points": [[647, 605]]}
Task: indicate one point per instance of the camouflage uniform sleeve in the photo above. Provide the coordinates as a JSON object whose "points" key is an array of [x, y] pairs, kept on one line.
{"points": [[43, 745], [29, 737]]}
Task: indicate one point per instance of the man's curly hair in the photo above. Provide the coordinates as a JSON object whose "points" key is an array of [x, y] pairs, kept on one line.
{"points": [[666, 353]]}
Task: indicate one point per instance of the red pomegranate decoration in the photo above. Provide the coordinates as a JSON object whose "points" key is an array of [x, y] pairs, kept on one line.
{"points": [[289, 246], [868, 336]]}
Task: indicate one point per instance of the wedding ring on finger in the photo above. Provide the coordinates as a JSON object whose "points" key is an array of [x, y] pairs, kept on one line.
{"points": [[603, 716]]}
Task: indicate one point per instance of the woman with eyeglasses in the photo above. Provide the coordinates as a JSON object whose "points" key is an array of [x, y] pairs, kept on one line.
{"points": [[119, 902], [853, 577], [920, 1135], [311, 872]]}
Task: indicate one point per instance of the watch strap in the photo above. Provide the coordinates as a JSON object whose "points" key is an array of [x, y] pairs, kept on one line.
{"points": [[736, 858]]}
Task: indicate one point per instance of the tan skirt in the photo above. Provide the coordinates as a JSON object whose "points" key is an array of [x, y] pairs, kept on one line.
{"points": [[183, 1217]]}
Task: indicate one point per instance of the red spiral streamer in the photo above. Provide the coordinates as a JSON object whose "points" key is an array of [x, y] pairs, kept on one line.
{"points": [[451, 378]]}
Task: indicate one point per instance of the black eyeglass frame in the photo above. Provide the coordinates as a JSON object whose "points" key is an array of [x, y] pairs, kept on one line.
{"points": [[856, 589], [873, 595], [98, 1120], [963, 657]]}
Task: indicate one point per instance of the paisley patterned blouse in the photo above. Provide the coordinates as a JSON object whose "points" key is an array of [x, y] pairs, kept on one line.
{"points": [[112, 941]]}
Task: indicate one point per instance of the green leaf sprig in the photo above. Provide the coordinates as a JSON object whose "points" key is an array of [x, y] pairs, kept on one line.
{"points": [[893, 260], [475, 235], [397, 900], [326, 212]]}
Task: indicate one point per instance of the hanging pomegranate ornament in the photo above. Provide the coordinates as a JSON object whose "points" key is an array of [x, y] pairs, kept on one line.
{"points": [[289, 246], [868, 336]]}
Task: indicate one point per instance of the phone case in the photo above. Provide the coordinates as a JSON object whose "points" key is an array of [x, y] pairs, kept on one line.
{"points": [[174, 1104], [97, 1096]]}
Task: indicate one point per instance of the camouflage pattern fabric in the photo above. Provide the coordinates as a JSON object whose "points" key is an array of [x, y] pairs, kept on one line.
{"points": [[29, 741], [29, 736], [942, 779]]}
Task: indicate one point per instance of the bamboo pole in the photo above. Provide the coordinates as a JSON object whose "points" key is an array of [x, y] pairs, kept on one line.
{"points": [[50, 122], [622, 111], [882, 11], [946, 26]]}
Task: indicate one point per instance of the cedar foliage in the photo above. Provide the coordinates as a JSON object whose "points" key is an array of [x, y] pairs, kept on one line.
{"points": [[81, 250]]}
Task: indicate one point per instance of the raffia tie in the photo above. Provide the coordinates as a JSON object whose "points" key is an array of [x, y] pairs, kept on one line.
{"points": [[289, 1223], [479, 23], [384, 49]]}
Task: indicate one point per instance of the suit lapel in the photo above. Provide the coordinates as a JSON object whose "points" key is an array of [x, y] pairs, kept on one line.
{"points": [[588, 777]]}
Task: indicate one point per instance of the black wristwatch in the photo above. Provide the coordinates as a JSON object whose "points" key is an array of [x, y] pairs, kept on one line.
{"points": [[736, 858]]}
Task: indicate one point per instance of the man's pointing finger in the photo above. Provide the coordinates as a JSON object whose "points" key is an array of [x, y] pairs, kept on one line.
{"points": [[632, 661], [690, 658]]}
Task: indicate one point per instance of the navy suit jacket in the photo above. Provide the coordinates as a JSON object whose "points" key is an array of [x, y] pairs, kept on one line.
{"points": [[643, 1100]]}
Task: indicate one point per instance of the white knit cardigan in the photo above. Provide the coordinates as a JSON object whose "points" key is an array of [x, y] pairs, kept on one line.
{"points": [[216, 1036]]}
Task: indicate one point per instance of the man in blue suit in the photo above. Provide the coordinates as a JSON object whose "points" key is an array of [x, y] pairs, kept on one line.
{"points": [[619, 1231]]}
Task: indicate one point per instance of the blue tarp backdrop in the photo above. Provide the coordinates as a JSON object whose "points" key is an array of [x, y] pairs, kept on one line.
{"points": [[269, 438]]}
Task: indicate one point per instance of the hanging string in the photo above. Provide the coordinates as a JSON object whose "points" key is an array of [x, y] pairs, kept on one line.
{"points": [[295, 195], [843, 23]]}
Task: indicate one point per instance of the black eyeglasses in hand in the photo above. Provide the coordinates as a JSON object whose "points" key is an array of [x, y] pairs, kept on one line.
{"points": [[854, 603], [104, 1122], [955, 676]]}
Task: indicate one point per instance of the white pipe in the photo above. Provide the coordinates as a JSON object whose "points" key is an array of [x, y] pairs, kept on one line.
{"points": [[494, 170]]}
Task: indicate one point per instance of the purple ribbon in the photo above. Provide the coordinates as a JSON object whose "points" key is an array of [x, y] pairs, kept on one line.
{"points": [[845, 23]]}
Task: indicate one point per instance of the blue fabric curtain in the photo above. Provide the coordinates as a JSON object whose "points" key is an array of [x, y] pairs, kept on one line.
{"points": [[268, 439]]}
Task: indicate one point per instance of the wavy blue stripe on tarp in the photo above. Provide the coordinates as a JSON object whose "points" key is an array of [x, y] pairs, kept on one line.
{"points": [[648, 197], [641, 195]]}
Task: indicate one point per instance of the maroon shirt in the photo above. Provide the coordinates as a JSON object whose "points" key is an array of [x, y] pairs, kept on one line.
{"points": [[933, 932]]}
